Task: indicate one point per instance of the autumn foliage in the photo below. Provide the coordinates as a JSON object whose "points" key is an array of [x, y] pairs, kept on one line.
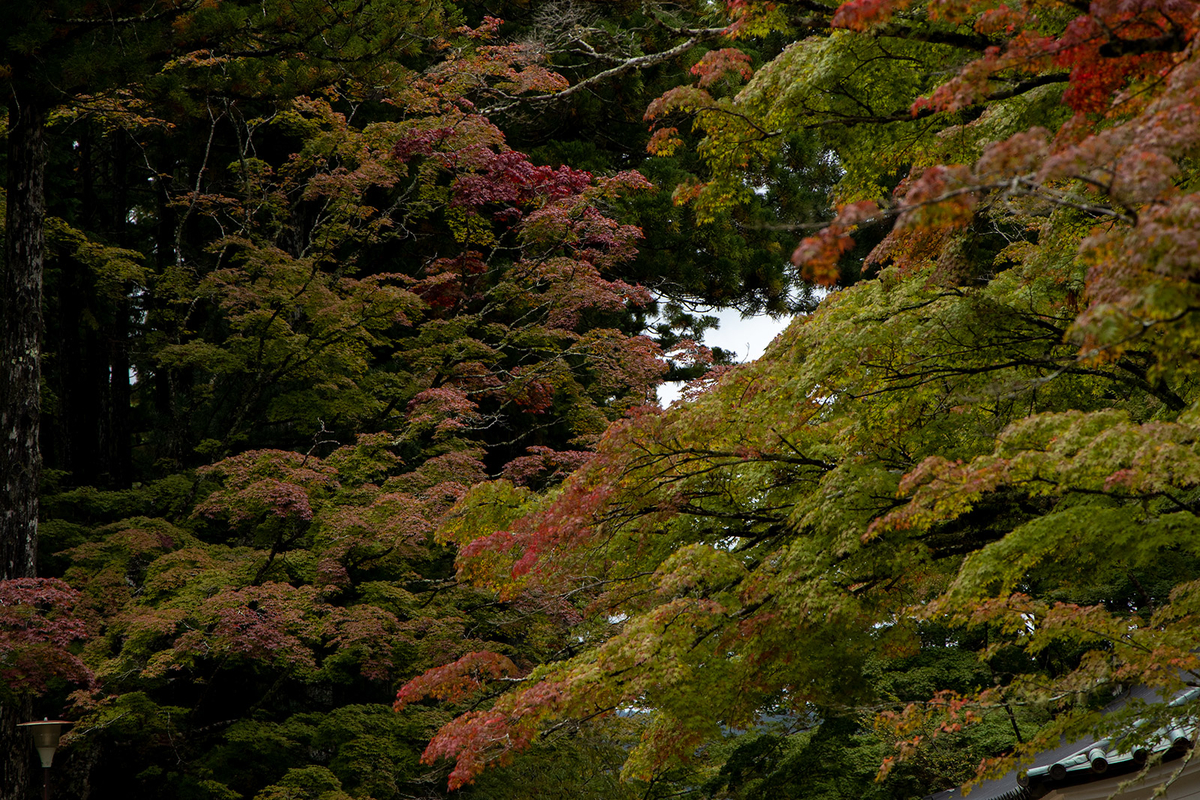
{"points": [[377, 500], [37, 634], [993, 435]]}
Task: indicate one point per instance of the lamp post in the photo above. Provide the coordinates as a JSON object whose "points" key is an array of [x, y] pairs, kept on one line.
{"points": [[45, 738]]}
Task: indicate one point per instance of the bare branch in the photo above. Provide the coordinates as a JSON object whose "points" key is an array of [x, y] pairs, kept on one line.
{"points": [[695, 37]]}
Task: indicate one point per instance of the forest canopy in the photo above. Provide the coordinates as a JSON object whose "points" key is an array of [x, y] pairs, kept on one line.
{"points": [[332, 333]]}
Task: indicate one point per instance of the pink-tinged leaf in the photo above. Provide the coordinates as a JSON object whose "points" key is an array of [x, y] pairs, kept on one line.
{"points": [[717, 64], [37, 626], [455, 681]]}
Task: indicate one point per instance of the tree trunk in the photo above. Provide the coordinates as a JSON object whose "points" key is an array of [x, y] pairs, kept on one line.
{"points": [[20, 347], [16, 752], [20, 392], [78, 373], [120, 429]]}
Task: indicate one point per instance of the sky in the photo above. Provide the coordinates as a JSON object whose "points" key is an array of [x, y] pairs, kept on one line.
{"points": [[747, 338]]}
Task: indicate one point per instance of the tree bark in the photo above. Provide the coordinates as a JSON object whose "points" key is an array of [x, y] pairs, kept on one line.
{"points": [[20, 345], [117, 453], [17, 751], [20, 392], [120, 429]]}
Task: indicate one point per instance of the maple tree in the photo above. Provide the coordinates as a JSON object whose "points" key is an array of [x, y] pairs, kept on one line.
{"points": [[617, 58], [44, 53], [37, 630], [355, 317], [994, 434], [64, 59], [344, 308]]}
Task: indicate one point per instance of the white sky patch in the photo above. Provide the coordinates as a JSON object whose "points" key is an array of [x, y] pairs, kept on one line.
{"points": [[746, 338]]}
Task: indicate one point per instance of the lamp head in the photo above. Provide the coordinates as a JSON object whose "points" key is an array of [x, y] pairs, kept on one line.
{"points": [[45, 737]]}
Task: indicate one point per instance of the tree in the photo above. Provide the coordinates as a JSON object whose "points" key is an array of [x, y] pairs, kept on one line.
{"points": [[286, 232], [52, 54], [943, 445], [44, 55], [616, 59], [371, 316]]}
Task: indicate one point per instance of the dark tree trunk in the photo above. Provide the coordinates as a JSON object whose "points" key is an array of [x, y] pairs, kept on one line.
{"points": [[77, 373], [20, 392], [86, 429], [120, 429], [17, 751], [20, 346]]}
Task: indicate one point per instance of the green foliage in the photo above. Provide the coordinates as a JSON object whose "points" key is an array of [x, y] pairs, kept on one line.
{"points": [[306, 783], [299, 306], [993, 438], [352, 334]]}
